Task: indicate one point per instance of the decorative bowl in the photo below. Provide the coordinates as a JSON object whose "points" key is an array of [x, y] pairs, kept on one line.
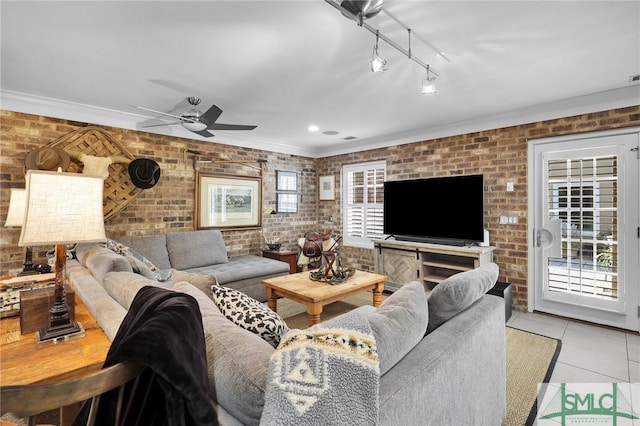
{"points": [[274, 246]]}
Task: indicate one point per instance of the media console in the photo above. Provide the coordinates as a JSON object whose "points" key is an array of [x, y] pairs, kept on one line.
{"points": [[405, 261]]}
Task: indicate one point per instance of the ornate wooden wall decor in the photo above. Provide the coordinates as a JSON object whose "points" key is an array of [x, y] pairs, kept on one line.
{"points": [[119, 191]]}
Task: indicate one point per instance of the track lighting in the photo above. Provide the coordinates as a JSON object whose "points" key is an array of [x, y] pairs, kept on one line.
{"points": [[429, 83], [359, 11], [377, 63]]}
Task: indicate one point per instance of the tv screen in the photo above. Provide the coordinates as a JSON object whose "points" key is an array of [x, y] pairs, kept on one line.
{"points": [[446, 210]]}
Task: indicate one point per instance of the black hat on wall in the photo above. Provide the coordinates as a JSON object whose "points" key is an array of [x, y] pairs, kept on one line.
{"points": [[144, 172]]}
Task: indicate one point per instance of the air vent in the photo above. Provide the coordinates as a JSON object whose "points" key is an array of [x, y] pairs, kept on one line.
{"points": [[634, 78], [349, 138], [330, 132]]}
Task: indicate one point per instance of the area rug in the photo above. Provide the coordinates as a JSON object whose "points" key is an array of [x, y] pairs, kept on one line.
{"points": [[530, 357], [530, 361]]}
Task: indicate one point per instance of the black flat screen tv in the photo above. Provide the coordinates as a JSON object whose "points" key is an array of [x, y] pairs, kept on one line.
{"points": [[441, 210]]}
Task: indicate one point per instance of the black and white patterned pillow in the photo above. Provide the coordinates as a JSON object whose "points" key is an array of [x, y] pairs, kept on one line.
{"points": [[249, 314]]}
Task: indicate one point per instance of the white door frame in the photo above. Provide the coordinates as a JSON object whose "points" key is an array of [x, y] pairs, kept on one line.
{"points": [[531, 216]]}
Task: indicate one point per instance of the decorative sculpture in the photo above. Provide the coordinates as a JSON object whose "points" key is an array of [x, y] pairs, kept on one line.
{"points": [[331, 270]]}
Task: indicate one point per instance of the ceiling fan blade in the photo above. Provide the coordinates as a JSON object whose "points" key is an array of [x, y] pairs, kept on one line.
{"points": [[162, 124], [211, 115], [165, 114], [204, 133], [220, 126]]}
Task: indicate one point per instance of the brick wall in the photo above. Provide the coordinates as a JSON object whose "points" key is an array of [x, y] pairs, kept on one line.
{"points": [[168, 206], [500, 154]]}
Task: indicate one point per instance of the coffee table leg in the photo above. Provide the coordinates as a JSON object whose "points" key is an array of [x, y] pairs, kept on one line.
{"points": [[377, 294], [314, 311], [272, 300]]}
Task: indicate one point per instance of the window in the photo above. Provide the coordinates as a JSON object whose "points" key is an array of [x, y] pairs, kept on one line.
{"points": [[286, 192], [362, 195]]}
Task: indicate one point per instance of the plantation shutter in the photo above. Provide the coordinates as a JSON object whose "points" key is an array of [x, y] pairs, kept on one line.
{"points": [[362, 189]]}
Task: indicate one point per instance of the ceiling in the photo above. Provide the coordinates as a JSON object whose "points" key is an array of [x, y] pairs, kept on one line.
{"points": [[284, 65]]}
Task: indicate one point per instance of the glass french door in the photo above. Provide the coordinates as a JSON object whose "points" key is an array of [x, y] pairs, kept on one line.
{"points": [[585, 241]]}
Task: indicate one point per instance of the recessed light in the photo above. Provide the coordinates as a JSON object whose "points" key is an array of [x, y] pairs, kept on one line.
{"points": [[313, 128]]}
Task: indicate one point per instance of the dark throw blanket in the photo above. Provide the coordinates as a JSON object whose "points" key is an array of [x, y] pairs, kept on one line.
{"points": [[163, 331]]}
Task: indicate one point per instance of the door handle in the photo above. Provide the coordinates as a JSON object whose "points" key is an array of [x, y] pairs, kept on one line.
{"points": [[549, 238]]}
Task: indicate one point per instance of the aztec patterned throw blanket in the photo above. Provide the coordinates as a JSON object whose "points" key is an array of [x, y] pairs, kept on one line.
{"points": [[325, 375]]}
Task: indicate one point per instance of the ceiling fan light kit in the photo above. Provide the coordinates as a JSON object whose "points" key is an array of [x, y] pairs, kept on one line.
{"points": [[359, 11]]}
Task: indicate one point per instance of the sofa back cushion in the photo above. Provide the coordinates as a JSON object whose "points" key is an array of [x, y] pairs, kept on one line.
{"points": [[238, 361], [458, 292], [123, 286], [153, 248], [100, 260], [399, 323], [194, 249]]}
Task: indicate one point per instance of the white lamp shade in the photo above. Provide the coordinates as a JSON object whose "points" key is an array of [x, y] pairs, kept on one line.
{"points": [[62, 208], [15, 215]]}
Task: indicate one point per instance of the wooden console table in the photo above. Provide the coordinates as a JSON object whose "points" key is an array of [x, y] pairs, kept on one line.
{"points": [[405, 261], [315, 294], [24, 362]]}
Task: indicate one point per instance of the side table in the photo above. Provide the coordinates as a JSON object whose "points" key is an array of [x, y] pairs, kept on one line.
{"points": [[289, 257], [24, 362]]}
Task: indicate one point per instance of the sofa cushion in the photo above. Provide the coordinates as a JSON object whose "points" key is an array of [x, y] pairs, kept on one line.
{"points": [[194, 249], [153, 248], [244, 267], [250, 314], [100, 260], [399, 323], [201, 282], [458, 292], [237, 359], [123, 286]]}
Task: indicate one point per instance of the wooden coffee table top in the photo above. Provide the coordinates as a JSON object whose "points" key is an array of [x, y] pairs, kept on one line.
{"points": [[315, 294], [301, 288]]}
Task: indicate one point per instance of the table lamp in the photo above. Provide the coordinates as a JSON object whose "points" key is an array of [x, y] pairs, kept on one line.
{"points": [[15, 216], [61, 208]]}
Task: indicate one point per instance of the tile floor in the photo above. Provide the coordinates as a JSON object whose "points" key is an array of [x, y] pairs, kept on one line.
{"points": [[589, 354]]}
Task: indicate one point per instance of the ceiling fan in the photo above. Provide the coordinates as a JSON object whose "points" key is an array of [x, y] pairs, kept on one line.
{"points": [[195, 120]]}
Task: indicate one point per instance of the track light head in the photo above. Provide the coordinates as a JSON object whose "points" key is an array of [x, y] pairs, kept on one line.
{"points": [[429, 84], [377, 63]]}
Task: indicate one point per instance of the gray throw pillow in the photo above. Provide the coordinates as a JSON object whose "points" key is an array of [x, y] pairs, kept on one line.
{"points": [[458, 292], [249, 314], [399, 323], [237, 361], [201, 282]]}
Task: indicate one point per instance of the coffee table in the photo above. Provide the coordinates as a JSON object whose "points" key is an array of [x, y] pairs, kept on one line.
{"points": [[315, 294]]}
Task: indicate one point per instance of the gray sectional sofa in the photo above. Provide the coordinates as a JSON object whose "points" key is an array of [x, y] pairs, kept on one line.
{"points": [[454, 374], [204, 252]]}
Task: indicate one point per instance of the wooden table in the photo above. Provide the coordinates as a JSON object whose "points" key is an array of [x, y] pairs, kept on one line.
{"points": [[315, 294], [289, 256], [24, 362]]}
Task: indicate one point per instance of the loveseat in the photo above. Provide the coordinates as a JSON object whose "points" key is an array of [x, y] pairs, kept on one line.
{"points": [[454, 374]]}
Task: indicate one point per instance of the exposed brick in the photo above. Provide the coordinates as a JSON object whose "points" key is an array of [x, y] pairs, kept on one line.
{"points": [[499, 154]]}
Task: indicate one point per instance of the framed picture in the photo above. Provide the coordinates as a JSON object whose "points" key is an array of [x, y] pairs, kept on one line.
{"points": [[286, 181], [225, 201], [287, 202], [327, 188]]}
